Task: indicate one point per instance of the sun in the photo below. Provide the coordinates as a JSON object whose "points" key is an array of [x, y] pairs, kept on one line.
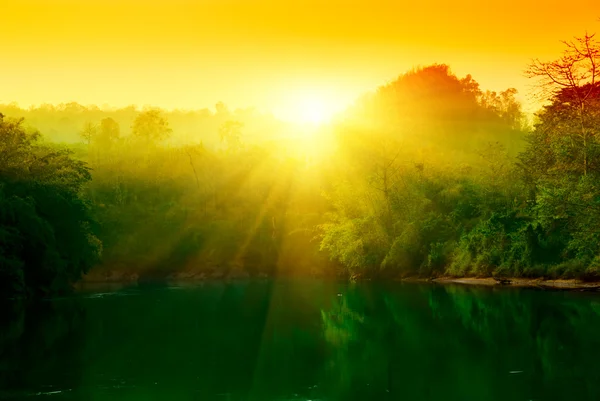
{"points": [[314, 110], [310, 106]]}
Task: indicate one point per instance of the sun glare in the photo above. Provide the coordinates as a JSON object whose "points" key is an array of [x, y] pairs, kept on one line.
{"points": [[313, 111], [314, 107]]}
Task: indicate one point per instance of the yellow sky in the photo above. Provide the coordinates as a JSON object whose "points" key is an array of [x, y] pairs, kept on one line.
{"points": [[191, 54]]}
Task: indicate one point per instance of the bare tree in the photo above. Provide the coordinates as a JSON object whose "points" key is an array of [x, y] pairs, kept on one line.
{"points": [[88, 133], [577, 73]]}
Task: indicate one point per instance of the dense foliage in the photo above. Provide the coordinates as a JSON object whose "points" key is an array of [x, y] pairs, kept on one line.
{"points": [[458, 187], [429, 175], [45, 222], [431, 188]]}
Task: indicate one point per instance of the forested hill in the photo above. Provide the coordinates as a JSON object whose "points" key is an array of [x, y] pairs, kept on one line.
{"points": [[429, 175]]}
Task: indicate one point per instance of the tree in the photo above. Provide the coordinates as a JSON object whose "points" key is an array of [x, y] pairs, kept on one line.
{"points": [[109, 131], [231, 133], [561, 164], [574, 76], [151, 126], [221, 109], [89, 131], [505, 107], [46, 241]]}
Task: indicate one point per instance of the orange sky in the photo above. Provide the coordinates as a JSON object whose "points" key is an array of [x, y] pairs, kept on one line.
{"points": [[191, 54]]}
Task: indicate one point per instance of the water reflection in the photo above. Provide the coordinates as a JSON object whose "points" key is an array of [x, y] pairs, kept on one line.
{"points": [[303, 340]]}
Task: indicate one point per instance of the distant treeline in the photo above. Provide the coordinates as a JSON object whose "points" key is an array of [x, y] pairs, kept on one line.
{"points": [[63, 123], [429, 175]]}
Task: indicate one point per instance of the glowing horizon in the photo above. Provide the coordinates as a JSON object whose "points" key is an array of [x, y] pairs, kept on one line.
{"points": [[192, 54]]}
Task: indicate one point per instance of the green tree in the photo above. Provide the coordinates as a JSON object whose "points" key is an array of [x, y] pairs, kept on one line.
{"points": [[573, 78], [150, 126], [421, 162], [109, 131], [45, 224], [561, 165]]}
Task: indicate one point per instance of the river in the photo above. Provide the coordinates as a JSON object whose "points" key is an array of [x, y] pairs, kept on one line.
{"points": [[303, 340]]}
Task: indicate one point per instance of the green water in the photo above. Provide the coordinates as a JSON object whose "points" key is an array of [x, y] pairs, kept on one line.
{"points": [[303, 340]]}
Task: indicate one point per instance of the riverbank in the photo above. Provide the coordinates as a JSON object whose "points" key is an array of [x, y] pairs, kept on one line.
{"points": [[559, 284], [133, 277], [120, 277], [116, 276]]}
